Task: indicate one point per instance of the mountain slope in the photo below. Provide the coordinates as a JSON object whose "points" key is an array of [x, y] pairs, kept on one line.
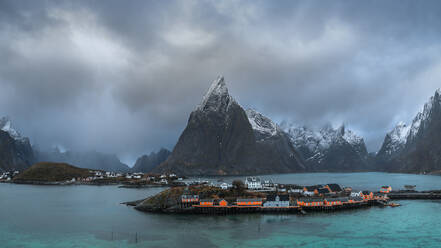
{"points": [[219, 140], [15, 151], [147, 163], [419, 146], [329, 149]]}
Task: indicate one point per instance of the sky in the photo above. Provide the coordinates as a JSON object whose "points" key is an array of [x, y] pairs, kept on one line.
{"points": [[123, 76]]}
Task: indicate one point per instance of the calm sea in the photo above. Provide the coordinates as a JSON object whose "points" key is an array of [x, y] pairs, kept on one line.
{"points": [[91, 216]]}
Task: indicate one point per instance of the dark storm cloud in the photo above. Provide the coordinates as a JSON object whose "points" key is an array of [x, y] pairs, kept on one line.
{"points": [[123, 76]]}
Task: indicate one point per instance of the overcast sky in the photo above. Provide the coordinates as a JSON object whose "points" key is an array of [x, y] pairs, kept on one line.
{"points": [[123, 76]]}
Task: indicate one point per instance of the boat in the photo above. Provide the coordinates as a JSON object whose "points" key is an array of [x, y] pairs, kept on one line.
{"points": [[393, 204]]}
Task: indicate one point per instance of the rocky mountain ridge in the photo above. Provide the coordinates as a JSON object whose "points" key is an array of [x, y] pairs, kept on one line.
{"points": [[219, 140]]}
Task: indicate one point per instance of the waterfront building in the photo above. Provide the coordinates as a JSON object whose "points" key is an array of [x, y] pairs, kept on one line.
{"points": [[336, 201], [310, 202], [187, 198], [253, 183], [367, 195], [277, 201], [222, 203], [386, 189], [207, 202], [249, 202]]}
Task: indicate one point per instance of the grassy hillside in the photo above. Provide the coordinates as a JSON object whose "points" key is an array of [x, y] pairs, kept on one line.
{"points": [[51, 172]]}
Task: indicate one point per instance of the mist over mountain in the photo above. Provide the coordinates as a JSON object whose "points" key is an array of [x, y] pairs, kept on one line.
{"points": [[146, 163], [90, 159]]}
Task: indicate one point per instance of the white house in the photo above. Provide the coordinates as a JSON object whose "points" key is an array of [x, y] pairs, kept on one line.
{"points": [[356, 194], [253, 183], [163, 181], [225, 186]]}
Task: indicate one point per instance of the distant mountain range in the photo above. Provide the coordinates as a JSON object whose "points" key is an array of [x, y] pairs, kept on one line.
{"points": [[146, 163], [329, 149], [221, 138], [91, 160]]}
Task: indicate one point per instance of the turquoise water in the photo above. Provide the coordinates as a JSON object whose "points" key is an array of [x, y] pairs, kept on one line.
{"points": [[91, 216]]}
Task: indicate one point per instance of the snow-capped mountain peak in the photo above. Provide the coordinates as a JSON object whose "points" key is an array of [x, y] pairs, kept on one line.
{"points": [[217, 96], [6, 126], [425, 114], [261, 123]]}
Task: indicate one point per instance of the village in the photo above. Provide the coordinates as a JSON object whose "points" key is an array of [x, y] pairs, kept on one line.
{"points": [[288, 198]]}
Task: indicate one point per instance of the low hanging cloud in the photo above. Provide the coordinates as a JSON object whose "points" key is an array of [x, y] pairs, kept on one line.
{"points": [[122, 77]]}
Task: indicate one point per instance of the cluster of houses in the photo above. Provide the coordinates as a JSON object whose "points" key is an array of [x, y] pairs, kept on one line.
{"points": [[304, 196], [164, 179], [8, 176], [277, 201]]}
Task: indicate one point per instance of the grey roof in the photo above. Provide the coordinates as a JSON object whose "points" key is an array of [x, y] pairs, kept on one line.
{"points": [[323, 191], [335, 187], [342, 199], [281, 198], [356, 198], [313, 187], [207, 200], [253, 179]]}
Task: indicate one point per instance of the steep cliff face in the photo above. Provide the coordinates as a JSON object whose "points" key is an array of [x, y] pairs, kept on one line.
{"points": [[219, 140], [415, 148], [15, 151], [329, 149], [147, 163], [274, 143]]}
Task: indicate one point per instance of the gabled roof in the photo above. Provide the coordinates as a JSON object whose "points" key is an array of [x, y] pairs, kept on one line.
{"points": [[323, 191], [335, 187], [341, 199], [313, 187], [356, 198], [366, 192], [207, 200], [272, 197]]}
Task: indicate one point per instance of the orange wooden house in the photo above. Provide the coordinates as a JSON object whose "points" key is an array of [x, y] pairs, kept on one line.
{"points": [[336, 201], [385, 189], [206, 202], [249, 202], [222, 203], [310, 202], [367, 195]]}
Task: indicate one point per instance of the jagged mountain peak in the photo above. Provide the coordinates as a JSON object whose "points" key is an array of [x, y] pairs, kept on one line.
{"points": [[217, 97], [424, 115], [261, 123], [6, 126]]}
